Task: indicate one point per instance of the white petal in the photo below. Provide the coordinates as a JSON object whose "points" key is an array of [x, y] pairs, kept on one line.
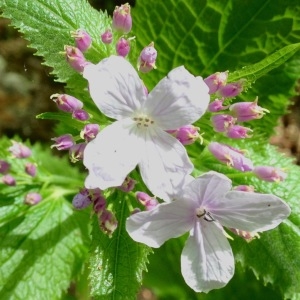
{"points": [[207, 261], [111, 155], [250, 211], [115, 87], [164, 164], [178, 99], [167, 220], [208, 187]]}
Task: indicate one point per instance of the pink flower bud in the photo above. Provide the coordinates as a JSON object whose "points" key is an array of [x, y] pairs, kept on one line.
{"points": [[232, 89], [216, 81], [30, 169], [231, 156], [4, 167], [238, 132], [107, 37], [128, 185], [63, 142], [75, 58], [89, 132], [76, 152], [83, 40], [122, 20], [80, 114], [108, 222], [82, 199], [122, 47], [187, 134], [244, 188], [247, 111], [146, 200], [32, 198], [217, 105], [19, 150], [246, 235], [222, 122], [268, 173], [99, 203], [9, 180], [147, 59], [66, 102]]}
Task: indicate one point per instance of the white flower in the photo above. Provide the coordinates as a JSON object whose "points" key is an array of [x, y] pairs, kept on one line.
{"points": [[203, 207], [138, 136]]}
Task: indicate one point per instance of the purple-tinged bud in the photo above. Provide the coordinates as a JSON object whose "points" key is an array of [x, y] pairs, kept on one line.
{"points": [[82, 199], [128, 185], [99, 203], [268, 173], [247, 111], [147, 59], [244, 188], [187, 134], [9, 180], [75, 58], [108, 222], [30, 169], [19, 150], [146, 200], [76, 152], [122, 47], [80, 114], [221, 123], [232, 89], [216, 81], [231, 156], [107, 37], [89, 132], [83, 40], [238, 132], [32, 198], [66, 102], [4, 167], [63, 142], [122, 20], [217, 105], [246, 235]]}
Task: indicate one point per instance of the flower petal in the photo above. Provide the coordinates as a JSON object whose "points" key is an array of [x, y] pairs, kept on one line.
{"points": [[111, 155], [115, 87], [164, 164], [251, 212], [165, 221], [178, 99], [207, 261]]}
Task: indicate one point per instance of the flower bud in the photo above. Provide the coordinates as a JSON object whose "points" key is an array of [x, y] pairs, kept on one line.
{"points": [[246, 235], [238, 132], [244, 188], [9, 180], [217, 105], [187, 134], [232, 89], [32, 198], [89, 132], [80, 114], [83, 40], [122, 20], [216, 81], [122, 47], [231, 156], [63, 142], [30, 169], [99, 203], [222, 122], [146, 200], [128, 185], [147, 59], [108, 222], [4, 166], [107, 37], [75, 58], [19, 150], [247, 111], [66, 102], [82, 199], [76, 152], [268, 173]]}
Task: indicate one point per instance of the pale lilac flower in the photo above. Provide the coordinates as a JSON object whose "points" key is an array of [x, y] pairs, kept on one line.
{"points": [[204, 206], [138, 136]]}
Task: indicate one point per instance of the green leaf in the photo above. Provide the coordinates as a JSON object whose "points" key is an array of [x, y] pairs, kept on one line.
{"points": [[116, 263]]}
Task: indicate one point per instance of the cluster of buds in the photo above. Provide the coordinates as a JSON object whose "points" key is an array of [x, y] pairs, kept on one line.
{"points": [[187, 134]]}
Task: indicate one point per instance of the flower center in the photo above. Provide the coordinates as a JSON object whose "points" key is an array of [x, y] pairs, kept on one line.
{"points": [[201, 212], [143, 120]]}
